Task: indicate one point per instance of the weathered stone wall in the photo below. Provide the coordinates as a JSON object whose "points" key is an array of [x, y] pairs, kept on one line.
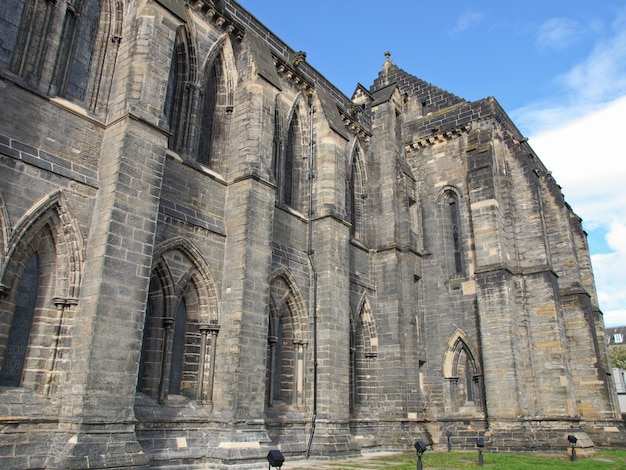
{"points": [[232, 256]]}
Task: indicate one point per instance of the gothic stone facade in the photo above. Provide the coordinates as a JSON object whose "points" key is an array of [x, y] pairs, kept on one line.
{"points": [[208, 252]]}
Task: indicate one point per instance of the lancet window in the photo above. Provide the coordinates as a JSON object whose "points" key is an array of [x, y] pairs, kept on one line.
{"points": [[292, 168], [62, 48], [463, 372], [180, 332], [40, 282], [356, 196], [363, 349], [452, 232], [286, 347]]}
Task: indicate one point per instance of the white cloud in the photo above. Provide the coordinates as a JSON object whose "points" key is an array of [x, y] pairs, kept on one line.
{"points": [[610, 275], [466, 21], [587, 159], [578, 135], [603, 75], [588, 86], [616, 239], [614, 318], [556, 34]]}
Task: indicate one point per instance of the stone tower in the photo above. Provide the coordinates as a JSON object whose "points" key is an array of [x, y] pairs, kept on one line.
{"points": [[208, 251]]}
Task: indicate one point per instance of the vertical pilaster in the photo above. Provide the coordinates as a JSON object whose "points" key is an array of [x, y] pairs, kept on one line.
{"points": [[503, 326], [330, 246], [240, 368], [107, 345], [245, 308]]}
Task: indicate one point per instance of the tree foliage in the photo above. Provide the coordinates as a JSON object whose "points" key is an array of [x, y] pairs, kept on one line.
{"points": [[618, 356]]}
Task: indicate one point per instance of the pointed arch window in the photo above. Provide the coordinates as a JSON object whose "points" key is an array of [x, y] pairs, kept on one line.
{"points": [[466, 382], [180, 332], [217, 96], [174, 353], [276, 145], [28, 352], [21, 324], [69, 61], [462, 369], [9, 31], [289, 166], [209, 126], [177, 107], [456, 237], [285, 359], [356, 196], [179, 347], [41, 280], [286, 347], [452, 233], [363, 348], [29, 36], [293, 166], [78, 46]]}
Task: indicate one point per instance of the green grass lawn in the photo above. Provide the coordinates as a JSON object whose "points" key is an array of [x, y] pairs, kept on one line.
{"points": [[603, 460]]}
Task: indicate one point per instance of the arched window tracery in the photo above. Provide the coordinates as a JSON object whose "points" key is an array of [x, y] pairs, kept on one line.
{"points": [[463, 372], [181, 91], [180, 332], [292, 164], [216, 105], [63, 48], [363, 348], [452, 233], [287, 345], [40, 279], [356, 195]]}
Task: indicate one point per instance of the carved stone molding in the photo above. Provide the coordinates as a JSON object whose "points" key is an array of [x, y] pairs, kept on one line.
{"points": [[437, 137]]}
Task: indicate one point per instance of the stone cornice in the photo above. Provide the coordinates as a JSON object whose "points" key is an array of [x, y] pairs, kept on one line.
{"points": [[208, 10], [437, 137], [353, 125], [288, 69], [290, 72]]}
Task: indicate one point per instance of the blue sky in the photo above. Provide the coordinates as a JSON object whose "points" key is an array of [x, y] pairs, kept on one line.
{"points": [[557, 67]]}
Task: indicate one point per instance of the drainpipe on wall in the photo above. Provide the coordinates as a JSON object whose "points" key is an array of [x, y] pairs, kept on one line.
{"points": [[314, 302]]}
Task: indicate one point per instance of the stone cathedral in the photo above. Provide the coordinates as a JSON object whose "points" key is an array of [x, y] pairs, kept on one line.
{"points": [[209, 252]]}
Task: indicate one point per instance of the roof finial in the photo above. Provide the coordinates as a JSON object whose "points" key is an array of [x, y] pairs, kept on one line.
{"points": [[388, 62]]}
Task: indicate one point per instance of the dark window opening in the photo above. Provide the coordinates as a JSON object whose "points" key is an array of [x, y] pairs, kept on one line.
{"points": [[469, 381], [289, 164], [19, 333], [178, 349], [277, 363], [172, 84], [456, 241], [81, 43], [208, 117], [276, 145], [9, 28]]}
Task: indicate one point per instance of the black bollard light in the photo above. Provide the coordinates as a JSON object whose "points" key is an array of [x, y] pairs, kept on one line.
{"points": [[572, 440], [448, 434], [420, 447], [275, 458], [480, 443]]}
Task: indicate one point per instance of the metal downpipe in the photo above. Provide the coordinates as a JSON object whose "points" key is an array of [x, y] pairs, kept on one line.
{"points": [[314, 271]]}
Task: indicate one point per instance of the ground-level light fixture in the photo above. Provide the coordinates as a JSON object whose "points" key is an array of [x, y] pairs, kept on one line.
{"points": [[480, 443], [275, 458], [420, 447], [572, 440]]}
